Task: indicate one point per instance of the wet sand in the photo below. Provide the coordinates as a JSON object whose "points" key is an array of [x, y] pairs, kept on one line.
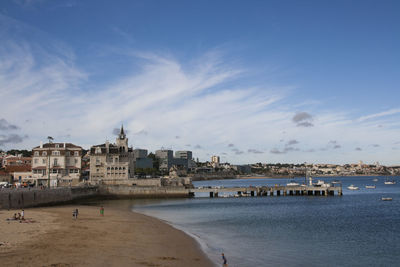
{"points": [[51, 237]]}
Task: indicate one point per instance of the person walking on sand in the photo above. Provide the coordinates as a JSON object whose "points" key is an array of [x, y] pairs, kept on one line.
{"points": [[22, 215], [102, 211], [224, 263], [76, 213]]}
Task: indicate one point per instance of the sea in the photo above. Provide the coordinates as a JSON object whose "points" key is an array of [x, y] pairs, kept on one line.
{"points": [[356, 229]]}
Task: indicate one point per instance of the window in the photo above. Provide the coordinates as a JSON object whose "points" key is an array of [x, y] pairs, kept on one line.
{"points": [[76, 153], [67, 153], [36, 161], [43, 161], [71, 171], [36, 153], [55, 153], [76, 161], [44, 153], [76, 171], [57, 145], [54, 170], [55, 162]]}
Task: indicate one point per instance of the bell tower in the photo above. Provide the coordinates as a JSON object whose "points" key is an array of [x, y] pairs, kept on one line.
{"points": [[122, 141]]}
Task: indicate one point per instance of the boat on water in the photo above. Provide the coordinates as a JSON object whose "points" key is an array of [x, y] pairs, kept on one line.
{"points": [[370, 186], [390, 182], [386, 199], [375, 180], [319, 183], [352, 187], [292, 183], [336, 182]]}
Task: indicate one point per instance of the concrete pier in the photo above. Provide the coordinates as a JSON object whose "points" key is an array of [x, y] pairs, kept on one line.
{"points": [[271, 191]]}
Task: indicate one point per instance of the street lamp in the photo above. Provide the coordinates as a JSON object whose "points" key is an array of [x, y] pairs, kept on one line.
{"points": [[48, 173]]}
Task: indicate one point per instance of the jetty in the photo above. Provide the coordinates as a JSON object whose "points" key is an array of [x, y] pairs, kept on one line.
{"points": [[276, 190]]}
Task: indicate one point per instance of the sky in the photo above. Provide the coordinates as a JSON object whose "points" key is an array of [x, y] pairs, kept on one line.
{"points": [[250, 81]]}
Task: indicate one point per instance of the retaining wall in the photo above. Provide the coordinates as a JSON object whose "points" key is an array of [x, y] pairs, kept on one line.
{"points": [[143, 192], [24, 197]]}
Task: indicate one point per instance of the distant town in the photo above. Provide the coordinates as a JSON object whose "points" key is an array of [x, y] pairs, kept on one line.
{"points": [[57, 164]]}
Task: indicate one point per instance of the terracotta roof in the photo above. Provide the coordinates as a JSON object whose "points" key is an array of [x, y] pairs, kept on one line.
{"points": [[18, 168], [61, 145]]}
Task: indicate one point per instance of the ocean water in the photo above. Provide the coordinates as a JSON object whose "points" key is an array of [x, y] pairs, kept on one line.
{"points": [[356, 229]]}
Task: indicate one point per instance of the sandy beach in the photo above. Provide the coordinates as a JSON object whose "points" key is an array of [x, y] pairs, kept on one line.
{"points": [[51, 237]]}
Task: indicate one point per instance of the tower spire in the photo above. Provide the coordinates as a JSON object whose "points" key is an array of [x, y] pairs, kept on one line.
{"points": [[122, 133]]}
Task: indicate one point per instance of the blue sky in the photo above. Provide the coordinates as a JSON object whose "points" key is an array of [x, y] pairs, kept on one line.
{"points": [[251, 81]]}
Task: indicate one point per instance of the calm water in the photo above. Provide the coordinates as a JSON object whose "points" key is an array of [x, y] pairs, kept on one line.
{"points": [[357, 229]]}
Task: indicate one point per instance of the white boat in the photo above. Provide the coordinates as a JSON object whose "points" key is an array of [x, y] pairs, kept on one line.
{"points": [[319, 183], [336, 182], [390, 182], [375, 180], [352, 187], [387, 199], [370, 186], [292, 183]]}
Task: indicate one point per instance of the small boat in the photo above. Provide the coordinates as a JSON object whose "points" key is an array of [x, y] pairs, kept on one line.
{"points": [[390, 182], [319, 183], [375, 180], [370, 186], [386, 199], [292, 183], [352, 187], [336, 182]]}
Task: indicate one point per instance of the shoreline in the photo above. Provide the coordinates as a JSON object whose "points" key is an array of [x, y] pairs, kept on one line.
{"points": [[51, 237], [202, 245]]}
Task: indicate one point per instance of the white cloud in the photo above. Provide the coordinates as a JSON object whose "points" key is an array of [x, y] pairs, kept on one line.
{"points": [[380, 114], [197, 100]]}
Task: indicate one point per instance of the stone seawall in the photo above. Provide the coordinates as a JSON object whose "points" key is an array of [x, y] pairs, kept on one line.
{"points": [[24, 197], [143, 192]]}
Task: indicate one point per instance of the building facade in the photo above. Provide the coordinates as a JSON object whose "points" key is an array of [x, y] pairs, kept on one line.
{"points": [[182, 160], [112, 163], [59, 162]]}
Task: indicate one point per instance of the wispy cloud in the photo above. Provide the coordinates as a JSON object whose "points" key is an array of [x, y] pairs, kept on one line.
{"points": [[205, 100], [380, 114], [254, 151]]}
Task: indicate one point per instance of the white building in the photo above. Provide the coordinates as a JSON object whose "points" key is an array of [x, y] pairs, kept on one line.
{"points": [[61, 162]]}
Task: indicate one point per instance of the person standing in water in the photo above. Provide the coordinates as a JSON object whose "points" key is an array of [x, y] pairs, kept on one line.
{"points": [[224, 263]]}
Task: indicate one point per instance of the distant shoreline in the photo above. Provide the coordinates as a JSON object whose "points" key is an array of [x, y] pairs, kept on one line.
{"points": [[316, 176]]}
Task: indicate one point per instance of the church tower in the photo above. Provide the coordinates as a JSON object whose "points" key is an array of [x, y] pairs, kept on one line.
{"points": [[122, 141]]}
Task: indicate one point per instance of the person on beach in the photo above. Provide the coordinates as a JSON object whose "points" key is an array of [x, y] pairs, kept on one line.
{"points": [[75, 214], [224, 263], [102, 211], [22, 215]]}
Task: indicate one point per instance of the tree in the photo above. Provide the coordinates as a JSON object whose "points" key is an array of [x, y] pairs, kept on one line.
{"points": [[24, 152]]}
